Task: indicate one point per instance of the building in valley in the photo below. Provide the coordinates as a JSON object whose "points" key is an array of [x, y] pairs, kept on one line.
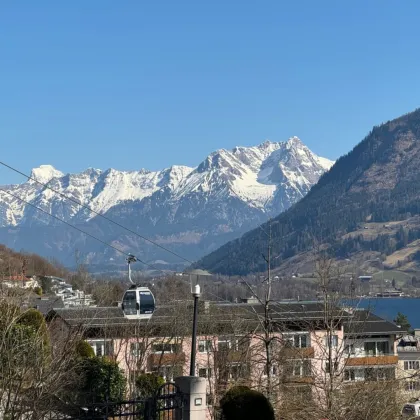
{"points": [[304, 347], [408, 349], [21, 281]]}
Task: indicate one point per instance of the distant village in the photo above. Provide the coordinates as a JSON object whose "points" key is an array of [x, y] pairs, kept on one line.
{"points": [[49, 291]]}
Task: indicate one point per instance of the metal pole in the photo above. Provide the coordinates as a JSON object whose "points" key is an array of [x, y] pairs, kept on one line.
{"points": [[130, 259], [196, 295]]}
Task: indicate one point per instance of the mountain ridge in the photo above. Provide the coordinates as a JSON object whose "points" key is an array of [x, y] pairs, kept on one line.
{"points": [[377, 182], [181, 206]]}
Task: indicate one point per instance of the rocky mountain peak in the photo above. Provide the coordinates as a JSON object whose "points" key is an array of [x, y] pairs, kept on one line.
{"points": [[190, 210], [45, 173], [367, 202]]}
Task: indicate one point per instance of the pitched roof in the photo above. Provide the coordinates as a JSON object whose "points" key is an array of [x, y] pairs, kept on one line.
{"points": [[45, 304], [279, 312], [91, 315], [358, 322], [365, 322], [287, 311]]}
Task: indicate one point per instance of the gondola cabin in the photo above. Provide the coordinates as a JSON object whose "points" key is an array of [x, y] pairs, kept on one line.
{"points": [[138, 303]]}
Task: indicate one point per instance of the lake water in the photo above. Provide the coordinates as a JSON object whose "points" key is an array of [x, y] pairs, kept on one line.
{"points": [[389, 307]]}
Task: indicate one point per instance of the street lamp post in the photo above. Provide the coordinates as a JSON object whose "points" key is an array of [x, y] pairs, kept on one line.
{"points": [[196, 294]]}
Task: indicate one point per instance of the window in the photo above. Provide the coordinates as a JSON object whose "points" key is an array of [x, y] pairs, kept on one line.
{"points": [[224, 343], [233, 343], [129, 303], [350, 349], [204, 372], [168, 373], [370, 374], [382, 348], [333, 339], [389, 373], [233, 371], [166, 348], [300, 340], [102, 347], [296, 340], [349, 375], [370, 349], [205, 346], [273, 370], [379, 374], [410, 409], [328, 367], [136, 349], [412, 386], [376, 348], [411, 364], [299, 368], [354, 375], [147, 303]]}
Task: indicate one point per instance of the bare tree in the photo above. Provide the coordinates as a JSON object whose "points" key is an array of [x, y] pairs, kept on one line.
{"points": [[36, 371]]}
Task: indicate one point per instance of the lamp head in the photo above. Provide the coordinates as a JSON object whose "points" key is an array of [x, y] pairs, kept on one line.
{"points": [[196, 292]]}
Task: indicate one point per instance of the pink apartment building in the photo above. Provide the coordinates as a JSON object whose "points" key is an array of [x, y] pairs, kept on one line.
{"points": [[304, 345]]}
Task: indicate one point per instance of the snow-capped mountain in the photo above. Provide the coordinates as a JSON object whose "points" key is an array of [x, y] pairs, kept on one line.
{"points": [[188, 210]]}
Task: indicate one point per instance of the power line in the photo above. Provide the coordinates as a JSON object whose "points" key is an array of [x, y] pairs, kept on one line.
{"points": [[95, 212], [80, 230]]}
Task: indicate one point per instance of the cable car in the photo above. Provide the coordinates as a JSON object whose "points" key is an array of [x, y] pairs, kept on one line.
{"points": [[138, 301]]}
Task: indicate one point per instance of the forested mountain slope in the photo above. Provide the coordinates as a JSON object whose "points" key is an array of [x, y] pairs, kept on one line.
{"points": [[14, 263], [378, 181]]}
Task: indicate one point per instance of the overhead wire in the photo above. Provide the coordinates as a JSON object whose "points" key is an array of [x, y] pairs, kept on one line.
{"points": [[46, 185], [85, 206], [89, 234], [98, 239], [81, 230]]}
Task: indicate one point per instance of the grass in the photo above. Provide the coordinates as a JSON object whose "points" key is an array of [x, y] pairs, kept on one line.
{"points": [[401, 279]]}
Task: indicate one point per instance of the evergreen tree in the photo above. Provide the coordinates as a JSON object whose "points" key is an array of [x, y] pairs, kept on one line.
{"points": [[403, 322]]}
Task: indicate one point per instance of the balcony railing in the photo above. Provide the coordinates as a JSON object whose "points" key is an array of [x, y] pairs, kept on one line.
{"points": [[298, 353], [162, 359], [408, 348], [389, 359], [299, 380]]}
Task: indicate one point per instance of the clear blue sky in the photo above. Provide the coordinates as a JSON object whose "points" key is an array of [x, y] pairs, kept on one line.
{"points": [[131, 84]]}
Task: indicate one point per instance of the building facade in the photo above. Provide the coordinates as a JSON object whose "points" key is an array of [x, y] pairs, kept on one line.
{"points": [[408, 349], [294, 357]]}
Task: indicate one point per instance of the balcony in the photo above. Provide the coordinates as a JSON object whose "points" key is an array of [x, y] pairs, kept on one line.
{"points": [[372, 360], [298, 353], [231, 355], [165, 359]]}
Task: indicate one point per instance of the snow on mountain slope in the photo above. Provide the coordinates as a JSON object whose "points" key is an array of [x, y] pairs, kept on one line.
{"points": [[227, 193], [45, 173]]}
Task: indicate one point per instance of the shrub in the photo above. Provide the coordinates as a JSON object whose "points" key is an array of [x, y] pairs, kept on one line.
{"points": [[84, 350], [243, 403], [32, 318], [148, 384], [38, 291], [103, 380]]}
